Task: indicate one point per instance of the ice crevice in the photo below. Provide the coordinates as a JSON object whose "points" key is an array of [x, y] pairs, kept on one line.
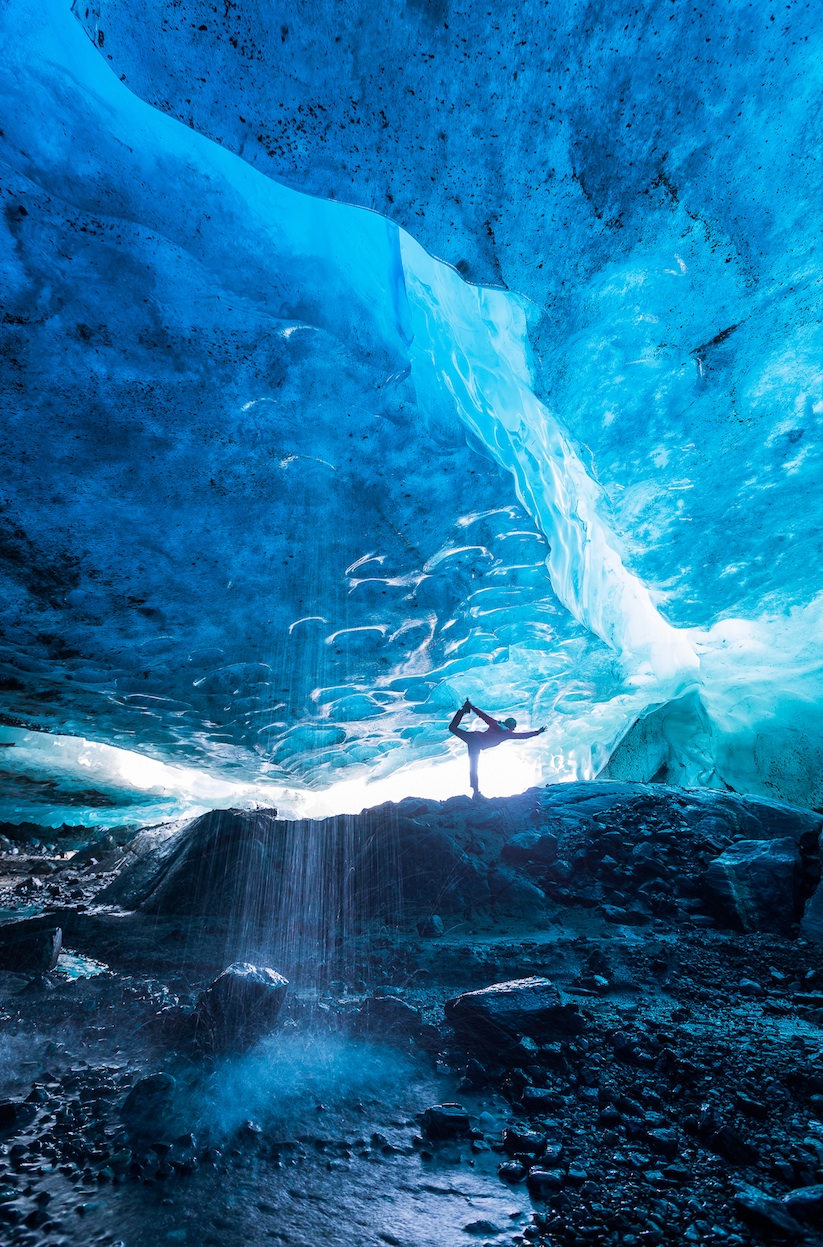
{"points": [[353, 278]]}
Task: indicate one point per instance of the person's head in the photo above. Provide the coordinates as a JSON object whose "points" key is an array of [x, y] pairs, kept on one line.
{"points": [[511, 724]]}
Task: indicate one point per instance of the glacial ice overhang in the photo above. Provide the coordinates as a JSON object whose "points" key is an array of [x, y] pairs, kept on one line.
{"points": [[280, 489]]}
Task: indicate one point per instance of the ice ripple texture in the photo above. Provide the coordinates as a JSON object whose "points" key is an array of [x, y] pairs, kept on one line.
{"points": [[281, 489]]}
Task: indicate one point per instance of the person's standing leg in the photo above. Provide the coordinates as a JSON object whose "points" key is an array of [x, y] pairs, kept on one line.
{"points": [[474, 754]]}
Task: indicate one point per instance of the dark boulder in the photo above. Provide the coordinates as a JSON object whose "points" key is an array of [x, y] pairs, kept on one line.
{"points": [[445, 1121], [148, 1110], [15, 1115], [225, 864], [544, 1183], [766, 1214], [519, 1142], [806, 1204], [240, 1006], [29, 952], [755, 885], [538, 1099], [664, 1142], [811, 926], [498, 1015], [533, 848]]}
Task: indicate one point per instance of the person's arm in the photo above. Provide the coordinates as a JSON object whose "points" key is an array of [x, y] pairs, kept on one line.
{"points": [[526, 735], [485, 717], [454, 726]]}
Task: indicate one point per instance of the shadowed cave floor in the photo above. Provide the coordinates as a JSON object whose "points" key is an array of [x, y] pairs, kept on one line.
{"points": [[687, 1107]]}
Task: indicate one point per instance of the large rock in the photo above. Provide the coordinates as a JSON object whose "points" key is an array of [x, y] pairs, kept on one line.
{"points": [[499, 1015], [225, 864], [15, 1115], [445, 1121], [811, 926], [530, 848], [149, 1109], [755, 885], [250, 866], [806, 1204], [29, 952], [240, 1006], [766, 1214]]}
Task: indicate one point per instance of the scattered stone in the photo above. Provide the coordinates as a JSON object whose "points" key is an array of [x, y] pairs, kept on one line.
{"points": [[752, 1108], [15, 1115], [664, 1142], [500, 1014], [148, 1108], [538, 1099], [806, 1204], [561, 871], [530, 847], [445, 1121], [511, 1171], [543, 1183], [730, 1144], [766, 1213], [240, 1006]]}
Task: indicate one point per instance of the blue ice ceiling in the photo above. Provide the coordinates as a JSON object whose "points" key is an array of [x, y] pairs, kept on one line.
{"points": [[280, 489]]}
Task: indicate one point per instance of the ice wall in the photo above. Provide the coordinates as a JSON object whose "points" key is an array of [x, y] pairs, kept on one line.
{"points": [[285, 488]]}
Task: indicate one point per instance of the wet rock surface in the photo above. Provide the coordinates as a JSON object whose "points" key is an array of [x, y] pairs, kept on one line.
{"points": [[501, 1015], [240, 1006], [757, 884], [420, 1091], [33, 952]]}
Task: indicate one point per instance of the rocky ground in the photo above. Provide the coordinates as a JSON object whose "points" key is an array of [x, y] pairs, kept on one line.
{"points": [[654, 1076]]}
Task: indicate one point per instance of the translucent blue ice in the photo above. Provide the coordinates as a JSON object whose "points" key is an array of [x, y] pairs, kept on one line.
{"points": [[282, 488]]}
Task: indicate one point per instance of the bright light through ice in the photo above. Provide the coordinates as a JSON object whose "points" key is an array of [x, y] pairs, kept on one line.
{"points": [[502, 773], [177, 791], [170, 791]]}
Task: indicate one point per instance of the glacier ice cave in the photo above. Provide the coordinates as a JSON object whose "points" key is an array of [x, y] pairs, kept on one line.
{"points": [[365, 366], [360, 358]]}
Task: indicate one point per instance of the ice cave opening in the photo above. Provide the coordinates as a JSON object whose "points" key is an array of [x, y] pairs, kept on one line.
{"points": [[282, 488]]}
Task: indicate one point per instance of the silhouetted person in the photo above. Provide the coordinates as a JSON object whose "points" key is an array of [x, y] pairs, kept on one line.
{"points": [[495, 734]]}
